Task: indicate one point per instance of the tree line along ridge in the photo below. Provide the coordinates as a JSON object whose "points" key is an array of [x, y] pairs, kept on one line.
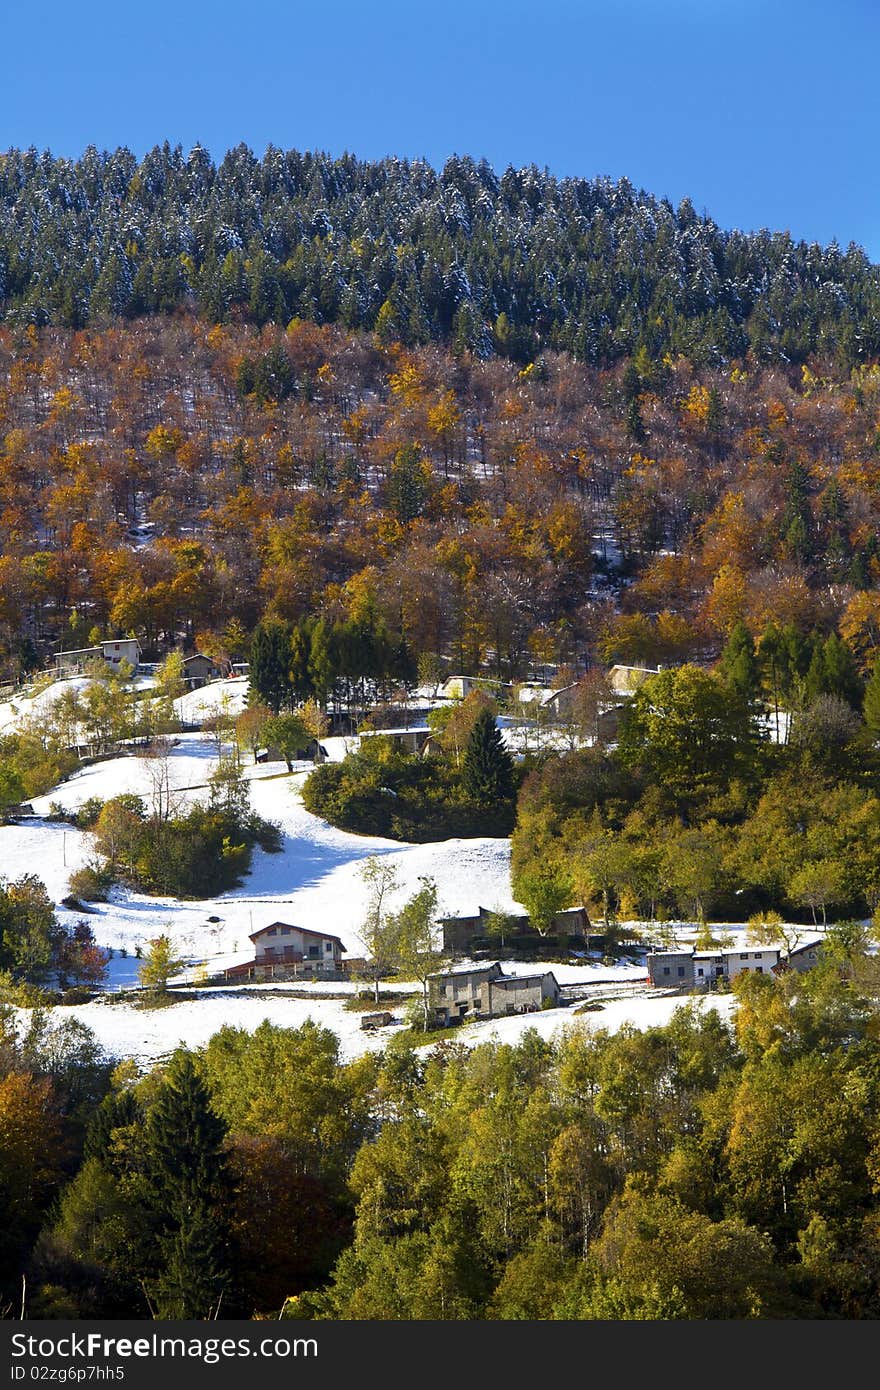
{"points": [[511, 263]]}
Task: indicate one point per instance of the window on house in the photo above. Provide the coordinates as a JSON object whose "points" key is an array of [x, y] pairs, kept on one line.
{"points": [[272, 931], [744, 955], [328, 946], [700, 971], [681, 972], [666, 970], [759, 969], [313, 952]]}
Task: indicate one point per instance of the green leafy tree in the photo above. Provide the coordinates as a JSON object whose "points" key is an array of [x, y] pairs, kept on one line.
{"points": [[418, 953], [771, 929], [30, 937], [380, 930], [543, 891], [287, 733], [817, 884], [159, 964], [500, 926], [688, 732], [11, 788]]}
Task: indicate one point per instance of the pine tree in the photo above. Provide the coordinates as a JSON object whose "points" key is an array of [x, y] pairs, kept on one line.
{"points": [[635, 425], [186, 1174], [841, 672], [739, 664], [487, 774], [270, 664], [872, 701], [300, 653], [322, 661], [833, 671]]}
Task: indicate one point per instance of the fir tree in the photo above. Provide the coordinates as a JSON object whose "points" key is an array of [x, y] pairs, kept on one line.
{"points": [[739, 664], [487, 774], [300, 653], [833, 671], [872, 701], [159, 964], [322, 661], [270, 665], [187, 1179]]}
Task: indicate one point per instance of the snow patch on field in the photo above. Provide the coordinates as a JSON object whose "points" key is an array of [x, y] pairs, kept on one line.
{"points": [[148, 1035], [208, 700]]}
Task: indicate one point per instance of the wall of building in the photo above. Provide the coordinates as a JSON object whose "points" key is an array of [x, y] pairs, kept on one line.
{"points": [[672, 970], [269, 947]]}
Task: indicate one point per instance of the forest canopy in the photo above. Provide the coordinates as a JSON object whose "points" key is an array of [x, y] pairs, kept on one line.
{"points": [[508, 263], [391, 506]]}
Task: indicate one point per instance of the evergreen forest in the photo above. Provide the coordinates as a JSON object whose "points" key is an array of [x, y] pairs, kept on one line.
{"points": [[511, 263]]}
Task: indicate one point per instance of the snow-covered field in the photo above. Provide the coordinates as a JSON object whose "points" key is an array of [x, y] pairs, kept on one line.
{"points": [[229, 696], [33, 702], [150, 1034]]}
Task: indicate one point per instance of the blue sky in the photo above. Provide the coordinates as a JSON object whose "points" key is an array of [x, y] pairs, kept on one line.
{"points": [[763, 112]]}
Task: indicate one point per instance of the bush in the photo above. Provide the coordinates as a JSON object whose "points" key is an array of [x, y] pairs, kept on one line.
{"points": [[87, 815], [76, 995], [265, 833], [21, 993], [382, 791], [91, 883], [198, 855]]}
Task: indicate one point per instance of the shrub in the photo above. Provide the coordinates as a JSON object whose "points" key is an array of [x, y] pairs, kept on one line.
{"points": [[265, 833], [76, 995], [91, 883], [87, 815], [22, 993], [381, 791]]}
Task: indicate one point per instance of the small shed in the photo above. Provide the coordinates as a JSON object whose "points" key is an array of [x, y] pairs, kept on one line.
{"points": [[198, 670]]}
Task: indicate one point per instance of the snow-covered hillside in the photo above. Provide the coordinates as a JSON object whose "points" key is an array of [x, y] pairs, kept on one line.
{"points": [[150, 1034], [315, 881]]}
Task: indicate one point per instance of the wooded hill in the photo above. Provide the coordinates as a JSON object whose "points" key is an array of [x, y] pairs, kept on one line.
{"points": [[511, 263], [182, 482]]}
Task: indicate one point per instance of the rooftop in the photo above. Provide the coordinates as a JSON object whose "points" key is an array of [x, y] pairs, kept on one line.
{"points": [[304, 931], [494, 970]]}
